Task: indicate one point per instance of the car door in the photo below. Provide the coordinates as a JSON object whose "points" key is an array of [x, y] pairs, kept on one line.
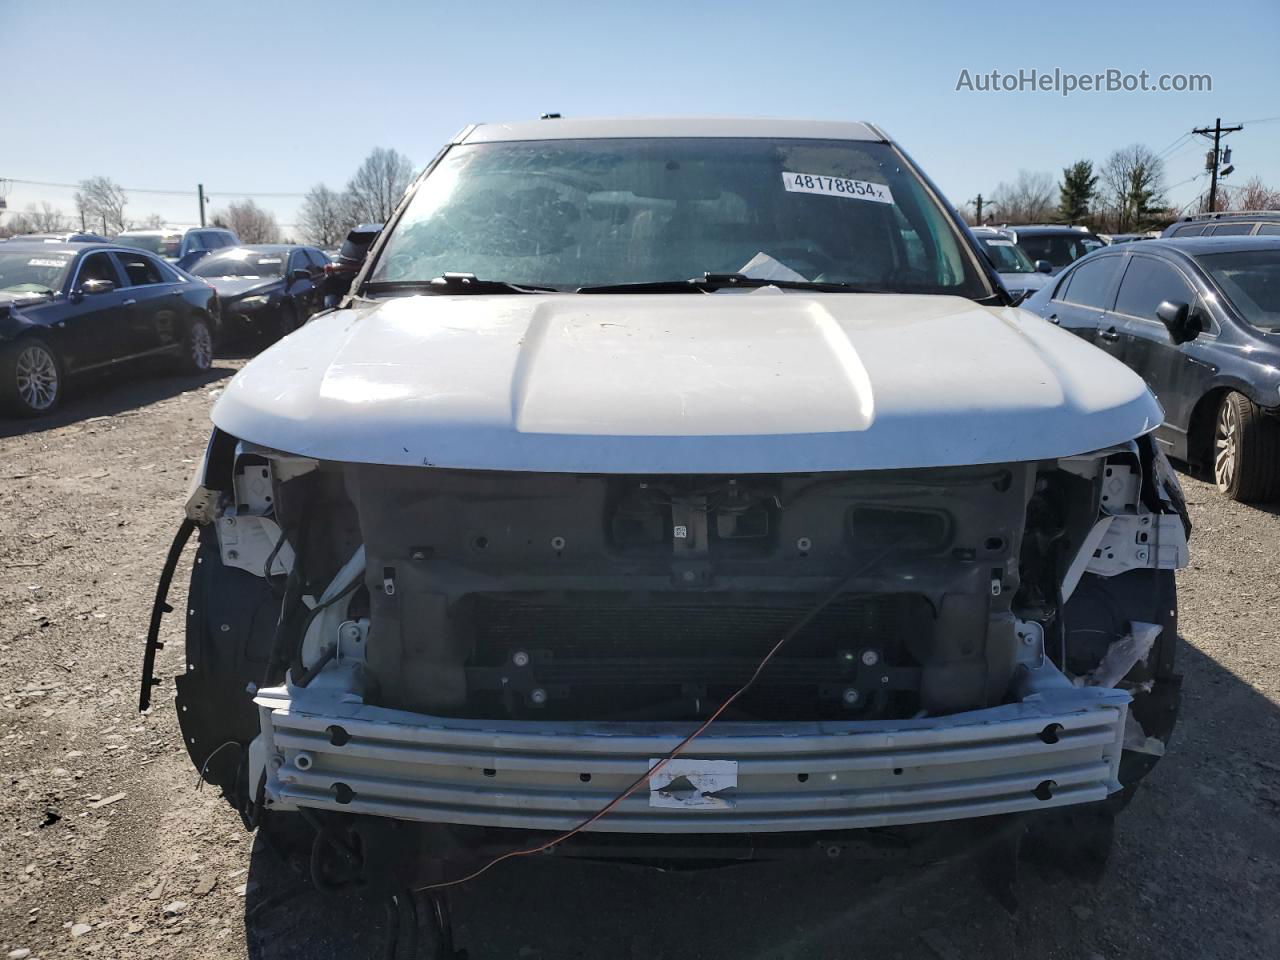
{"points": [[1083, 295], [94, 325], [302, 292], [154, 302], [1177, 374]]}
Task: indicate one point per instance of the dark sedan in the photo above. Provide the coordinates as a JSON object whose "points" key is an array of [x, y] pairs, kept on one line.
{"points": [[67, 308], [1199, 319], [267, 289]]}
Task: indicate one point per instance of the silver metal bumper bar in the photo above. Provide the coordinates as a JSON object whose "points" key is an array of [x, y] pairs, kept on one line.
{"points": [[328, 751]]}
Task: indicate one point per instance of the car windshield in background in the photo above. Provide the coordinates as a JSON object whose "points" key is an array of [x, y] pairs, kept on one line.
{"points": [[240, 263], [1007, 257], [162, 246], [1251, 281], [33, 272], [1059, 249], [584, 213]]}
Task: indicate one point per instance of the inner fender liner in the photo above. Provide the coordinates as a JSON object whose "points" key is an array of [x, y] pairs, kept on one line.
{"points": [[231, 617]]}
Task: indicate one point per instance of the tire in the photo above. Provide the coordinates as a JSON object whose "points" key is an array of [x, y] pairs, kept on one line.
{"points": [[197, 348], [288, 320], [31, 377], [1246, 451]]}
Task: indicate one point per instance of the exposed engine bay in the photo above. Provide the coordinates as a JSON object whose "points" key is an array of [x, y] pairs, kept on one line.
{"points": [[959, 641]]}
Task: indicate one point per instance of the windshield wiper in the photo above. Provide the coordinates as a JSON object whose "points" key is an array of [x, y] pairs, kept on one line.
{"points": [[453, 283], [710, 282]]}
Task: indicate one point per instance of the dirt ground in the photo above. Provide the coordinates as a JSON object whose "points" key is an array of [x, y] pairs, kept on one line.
{"points": [[109, 849]]}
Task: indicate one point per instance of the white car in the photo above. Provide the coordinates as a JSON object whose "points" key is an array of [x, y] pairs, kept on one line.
{"points": [[651, 491], [1019, 275]]}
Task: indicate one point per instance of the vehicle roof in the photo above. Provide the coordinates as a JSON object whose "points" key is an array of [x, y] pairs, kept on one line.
{"points": [[591, 128], [1230, 215], [160, 231], [1042, 228], [1196, 246], [259, 248], [70, 247]]}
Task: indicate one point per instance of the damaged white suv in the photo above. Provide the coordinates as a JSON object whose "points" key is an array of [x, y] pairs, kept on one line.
{"points": [[631, 430]]}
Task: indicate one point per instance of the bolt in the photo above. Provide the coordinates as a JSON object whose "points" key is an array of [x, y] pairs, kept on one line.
{"points": [[276, 762], [302, 761], [870, 658], [232, 555], [520, 658], [557, 543], [418, 556], [803, 544], [850, 697], [833, 852], [225, 628], [538, 696], [231, 521], [688, 576]]}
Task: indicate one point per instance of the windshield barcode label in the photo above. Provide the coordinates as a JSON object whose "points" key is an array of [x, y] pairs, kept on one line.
{"points": [[836, 187]]}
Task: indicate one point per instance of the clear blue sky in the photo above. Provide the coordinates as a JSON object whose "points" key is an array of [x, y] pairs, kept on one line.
{"points": [[271, 97]]}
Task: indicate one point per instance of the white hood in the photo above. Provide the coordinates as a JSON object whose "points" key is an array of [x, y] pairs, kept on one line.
{"points": [[766, 382]]}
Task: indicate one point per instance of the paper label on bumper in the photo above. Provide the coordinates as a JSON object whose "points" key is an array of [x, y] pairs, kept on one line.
{"points": [[693, 784]]}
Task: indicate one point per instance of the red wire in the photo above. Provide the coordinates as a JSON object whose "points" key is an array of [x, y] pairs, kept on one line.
{"points": [[679, 748]]}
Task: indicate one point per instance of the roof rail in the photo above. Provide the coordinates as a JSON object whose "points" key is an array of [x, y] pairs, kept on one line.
{"points": [[1219, 214]]}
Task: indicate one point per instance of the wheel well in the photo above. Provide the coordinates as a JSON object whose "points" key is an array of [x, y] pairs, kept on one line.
{"points": [[1200, 428]]}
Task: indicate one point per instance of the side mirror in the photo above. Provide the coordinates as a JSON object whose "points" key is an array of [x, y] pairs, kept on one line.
{"points": [[1183, 326], [92, 288], [299, 274], [1044, 266]]}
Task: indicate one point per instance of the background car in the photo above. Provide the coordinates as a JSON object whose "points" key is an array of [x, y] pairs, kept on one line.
{"points": [[267, 289], [1199, 319], [1018, 274], [183, 247], [66, 309], [1059, 245], [1240, 223], [342, 269]]}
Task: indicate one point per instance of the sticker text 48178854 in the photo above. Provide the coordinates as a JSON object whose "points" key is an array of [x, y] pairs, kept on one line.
{"points": [[836, 187]]}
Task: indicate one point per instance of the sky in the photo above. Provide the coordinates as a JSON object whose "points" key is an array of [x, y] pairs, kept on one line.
{"points": [[261, 99]]}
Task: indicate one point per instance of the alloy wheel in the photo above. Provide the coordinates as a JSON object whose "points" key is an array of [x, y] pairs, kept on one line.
{"points": [[1226, 445], [37, 377]]}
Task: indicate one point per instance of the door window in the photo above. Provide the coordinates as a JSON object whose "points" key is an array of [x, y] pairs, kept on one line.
{"points": [[1190, 230], [195, 242], [140, 270], [1233, 229], [1269, 229], [98, 266], [1090, 283], [1146, 283]]}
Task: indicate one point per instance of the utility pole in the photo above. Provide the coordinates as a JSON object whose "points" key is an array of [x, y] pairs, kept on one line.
{"points": [[1216, 132], [200, 194], [978, 204]]}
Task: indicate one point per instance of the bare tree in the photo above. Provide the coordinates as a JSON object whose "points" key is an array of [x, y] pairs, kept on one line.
{"points": [[1029, 199], [250, 222], [326, 216], [1253, 194], [378, 185], [102, 201], [152, 221], [44, 218], [1133, 188]]}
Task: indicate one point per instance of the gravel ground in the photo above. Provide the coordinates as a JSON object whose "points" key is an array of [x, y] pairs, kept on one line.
{"points": [[108, 849]]}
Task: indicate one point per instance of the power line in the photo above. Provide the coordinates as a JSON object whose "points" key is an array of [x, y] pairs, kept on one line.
{"points": [[170, 193]]}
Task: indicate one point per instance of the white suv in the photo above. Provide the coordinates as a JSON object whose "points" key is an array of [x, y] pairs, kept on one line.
{"points": [[668, 481]]}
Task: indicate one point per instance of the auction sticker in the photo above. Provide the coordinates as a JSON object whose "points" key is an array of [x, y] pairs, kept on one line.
{"points": [[38, 262], [836, 187]]}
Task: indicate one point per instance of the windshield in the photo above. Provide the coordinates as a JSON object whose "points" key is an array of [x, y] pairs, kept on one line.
{"points": [[1251, 281], [1006, 256], [1060, 249], [168, 245], [33, 272], [240, 263], [578, 213]]}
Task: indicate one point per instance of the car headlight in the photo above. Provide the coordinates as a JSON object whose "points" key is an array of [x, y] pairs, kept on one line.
{"points": [[252, 303]]}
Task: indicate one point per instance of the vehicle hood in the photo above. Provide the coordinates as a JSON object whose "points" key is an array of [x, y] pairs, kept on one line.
{"points": [[728, 383], [233, 288], [17, 310], [1024, 281]]}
